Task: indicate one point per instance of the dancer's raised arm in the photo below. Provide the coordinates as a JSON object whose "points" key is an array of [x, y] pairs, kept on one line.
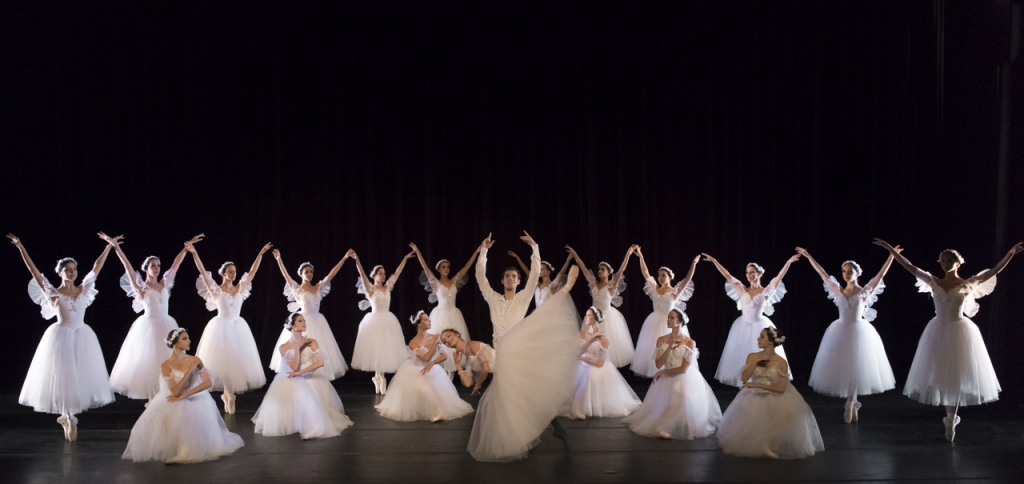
{"points": [[526, 270], [561, 275], [689, 274], [622, 268], [284, 272], [875, 281], [481, 270], [531, 280], [817, 267], [102, 259], [116, 244], [1002, 263], [337, 267], [181, 255], [401, 265], [643, 264], [256, 263], [725, 273], [367, 283], [897, 256], [586, 272], [469, 263], [419, 256], [775, 282], [207, 281], [28, 260]]}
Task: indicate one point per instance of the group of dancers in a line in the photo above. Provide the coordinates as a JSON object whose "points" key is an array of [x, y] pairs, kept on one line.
{"points": [[551, 365]]}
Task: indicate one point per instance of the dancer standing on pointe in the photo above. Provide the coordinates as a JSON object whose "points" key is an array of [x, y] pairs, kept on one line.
{"points": [[546, 286], [534, 376], [606, 291], [851, 360], [380, 345], [136, 372], [598, 388], [442, 291], [952, 366], [305, 299], [68, 375], [227, 345], [757, 303], [473, 360], [665, 297]]}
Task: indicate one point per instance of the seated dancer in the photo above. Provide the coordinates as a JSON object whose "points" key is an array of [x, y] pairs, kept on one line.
{"points": [[473, 360], [598, 388]]}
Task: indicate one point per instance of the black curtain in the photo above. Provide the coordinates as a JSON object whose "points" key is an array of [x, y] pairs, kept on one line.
{"points": [[741, 129]]}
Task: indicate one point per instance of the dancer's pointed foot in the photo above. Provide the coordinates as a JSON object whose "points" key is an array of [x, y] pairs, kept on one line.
{"points": [[950, 424], [856, 406], [847, 413]]}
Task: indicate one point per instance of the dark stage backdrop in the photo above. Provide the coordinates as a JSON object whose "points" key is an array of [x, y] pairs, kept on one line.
{"points": [[738, 129]]}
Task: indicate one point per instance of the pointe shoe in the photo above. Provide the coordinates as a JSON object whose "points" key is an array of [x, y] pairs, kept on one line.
{"points": [[665, 435], [856, 406], [376, 384], [383, 385], [66, 423], [436, 419], [74, 429], [847, 413], [769, 454], [146, 405], [950, 426]]}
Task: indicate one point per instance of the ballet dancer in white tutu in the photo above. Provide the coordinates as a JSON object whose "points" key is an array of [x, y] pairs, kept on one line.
{"points": [[598, 388], [136, 372], [952, 367], [68, 375], [474, 360], [606, 290], [443, 290], [665, 297], [380, 345], [301, 399], [679, 404], [769, 418], [227, 346], [420, 389], [181, 425], [756, 303], [305, 298], [851, 360], [549, 282]]}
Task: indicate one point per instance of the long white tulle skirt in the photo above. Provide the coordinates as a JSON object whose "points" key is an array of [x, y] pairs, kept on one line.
{"points": [[189, 430], [380, 344], [306, 405], [952, 366], [413, 396], [851, 361], [742, 341], [136, 372], [229, 352], [758, 419], [538, 359], [620, 342], [67, 373], [655, 326], [681, 405], [442, 319], [599, 392], [316, 329]]}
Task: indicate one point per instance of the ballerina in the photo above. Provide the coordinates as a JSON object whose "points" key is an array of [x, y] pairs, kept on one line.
{"points": [[305, 298], [665, 296], [442, 291], [952, 366], [301, 399], [473, 360], [182, 424], [380, 346], [136, 372], [598, 389], [68, 375], [769, 418], [851, 360], [757, 303], [546, 286], [606, 292], [680, 403], [227, 345], [420, 389]]}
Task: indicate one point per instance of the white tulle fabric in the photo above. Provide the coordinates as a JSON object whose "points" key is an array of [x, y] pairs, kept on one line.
{"points": [[681, 405], [475, 363], [136, 372], [742, 339], [306, 405], [538, 359], [656, 324], [851, 359], [759, 420], [227, 347], [599, 391], [308, 304], [380, 344], [952, 365], [620, 342], [414, 396], [188, 430], [67, 373], [445, 315]]}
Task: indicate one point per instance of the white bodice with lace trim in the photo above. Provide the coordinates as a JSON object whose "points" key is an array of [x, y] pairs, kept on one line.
{"points": [[958, 301], [677, 355], [70, 311]]}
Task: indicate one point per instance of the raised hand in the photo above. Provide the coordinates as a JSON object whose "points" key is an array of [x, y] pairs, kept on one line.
{"points": [[266, 248], [14, 240], [513, 254], [410, 255], [487, 243], [707, 258], [197, 238], [415, 249], [190, 248], [882, 243], [526, 238], [795, 258], [354, 255], [695, 260], [899, 249], [802, 251], [277, 254], [351, 254], [637, 250], [1017, 249], [571, 251]]}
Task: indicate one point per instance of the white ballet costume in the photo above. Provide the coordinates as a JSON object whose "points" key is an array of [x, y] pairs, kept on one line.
{"points": [[446, 314], [851, 359], [380, 344], [306, 405], [542, 294], [227, 347], [620, 342], [136, 372], [186, 431], [743, 335], [680, 406], [414, 396], [599, 391], [759, 422], [656, 325], [952, 366], [475, 363], [67, 374], [308, 304]]}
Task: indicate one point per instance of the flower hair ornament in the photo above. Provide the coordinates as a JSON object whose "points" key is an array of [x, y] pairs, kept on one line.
{"points": [[290, 321], [609, 266], [416, 319], [60, 263], [598, 315], [303, 266], [145, 263], [959, 258], [671, 275], [225, 265], [774, 333], [547, 264], [437, 266], [373, 272], [757, 267], [173, 337], [856, 267]]}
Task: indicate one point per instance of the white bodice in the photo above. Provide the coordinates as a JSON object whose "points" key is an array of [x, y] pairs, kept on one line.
{"points": [[676, 355], [306, 358], [155, 303], [753, 307], [380, 302], [309, 302], [959, 301], [542, 294], [475, 362], [602, 297], [70, 311], [595, 351], [229, 306], [768, 376], [445, 296], [177, 375]]}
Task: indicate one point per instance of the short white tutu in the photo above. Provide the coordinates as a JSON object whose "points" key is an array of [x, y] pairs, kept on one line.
{"points": [[952, 366], [67, 373], [647, 343], [229, 352], [444, 318], [380, 344], [620, 342], [742, 341], [316, 329], [681, 405], [412, 396], [600, 392], [758, 419], [136, 373], [851, 361], [307, 405]]}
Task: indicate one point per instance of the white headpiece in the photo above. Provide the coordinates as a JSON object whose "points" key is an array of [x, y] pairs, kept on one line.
{"points": [[551, 268], [609, 266], [671, 275], [959, 258], [173, 336], [145, 263], [437, 266], [776, 339], [416, 319], [856, 267], [597, 314], [757, 267], [229, 263], [60, 263], [303, 266]]}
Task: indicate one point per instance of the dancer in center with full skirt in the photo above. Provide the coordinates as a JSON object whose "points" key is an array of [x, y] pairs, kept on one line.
{"points": [[380, 345], [598, 388], [606, 289], [665, 297], [443, 290]]}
